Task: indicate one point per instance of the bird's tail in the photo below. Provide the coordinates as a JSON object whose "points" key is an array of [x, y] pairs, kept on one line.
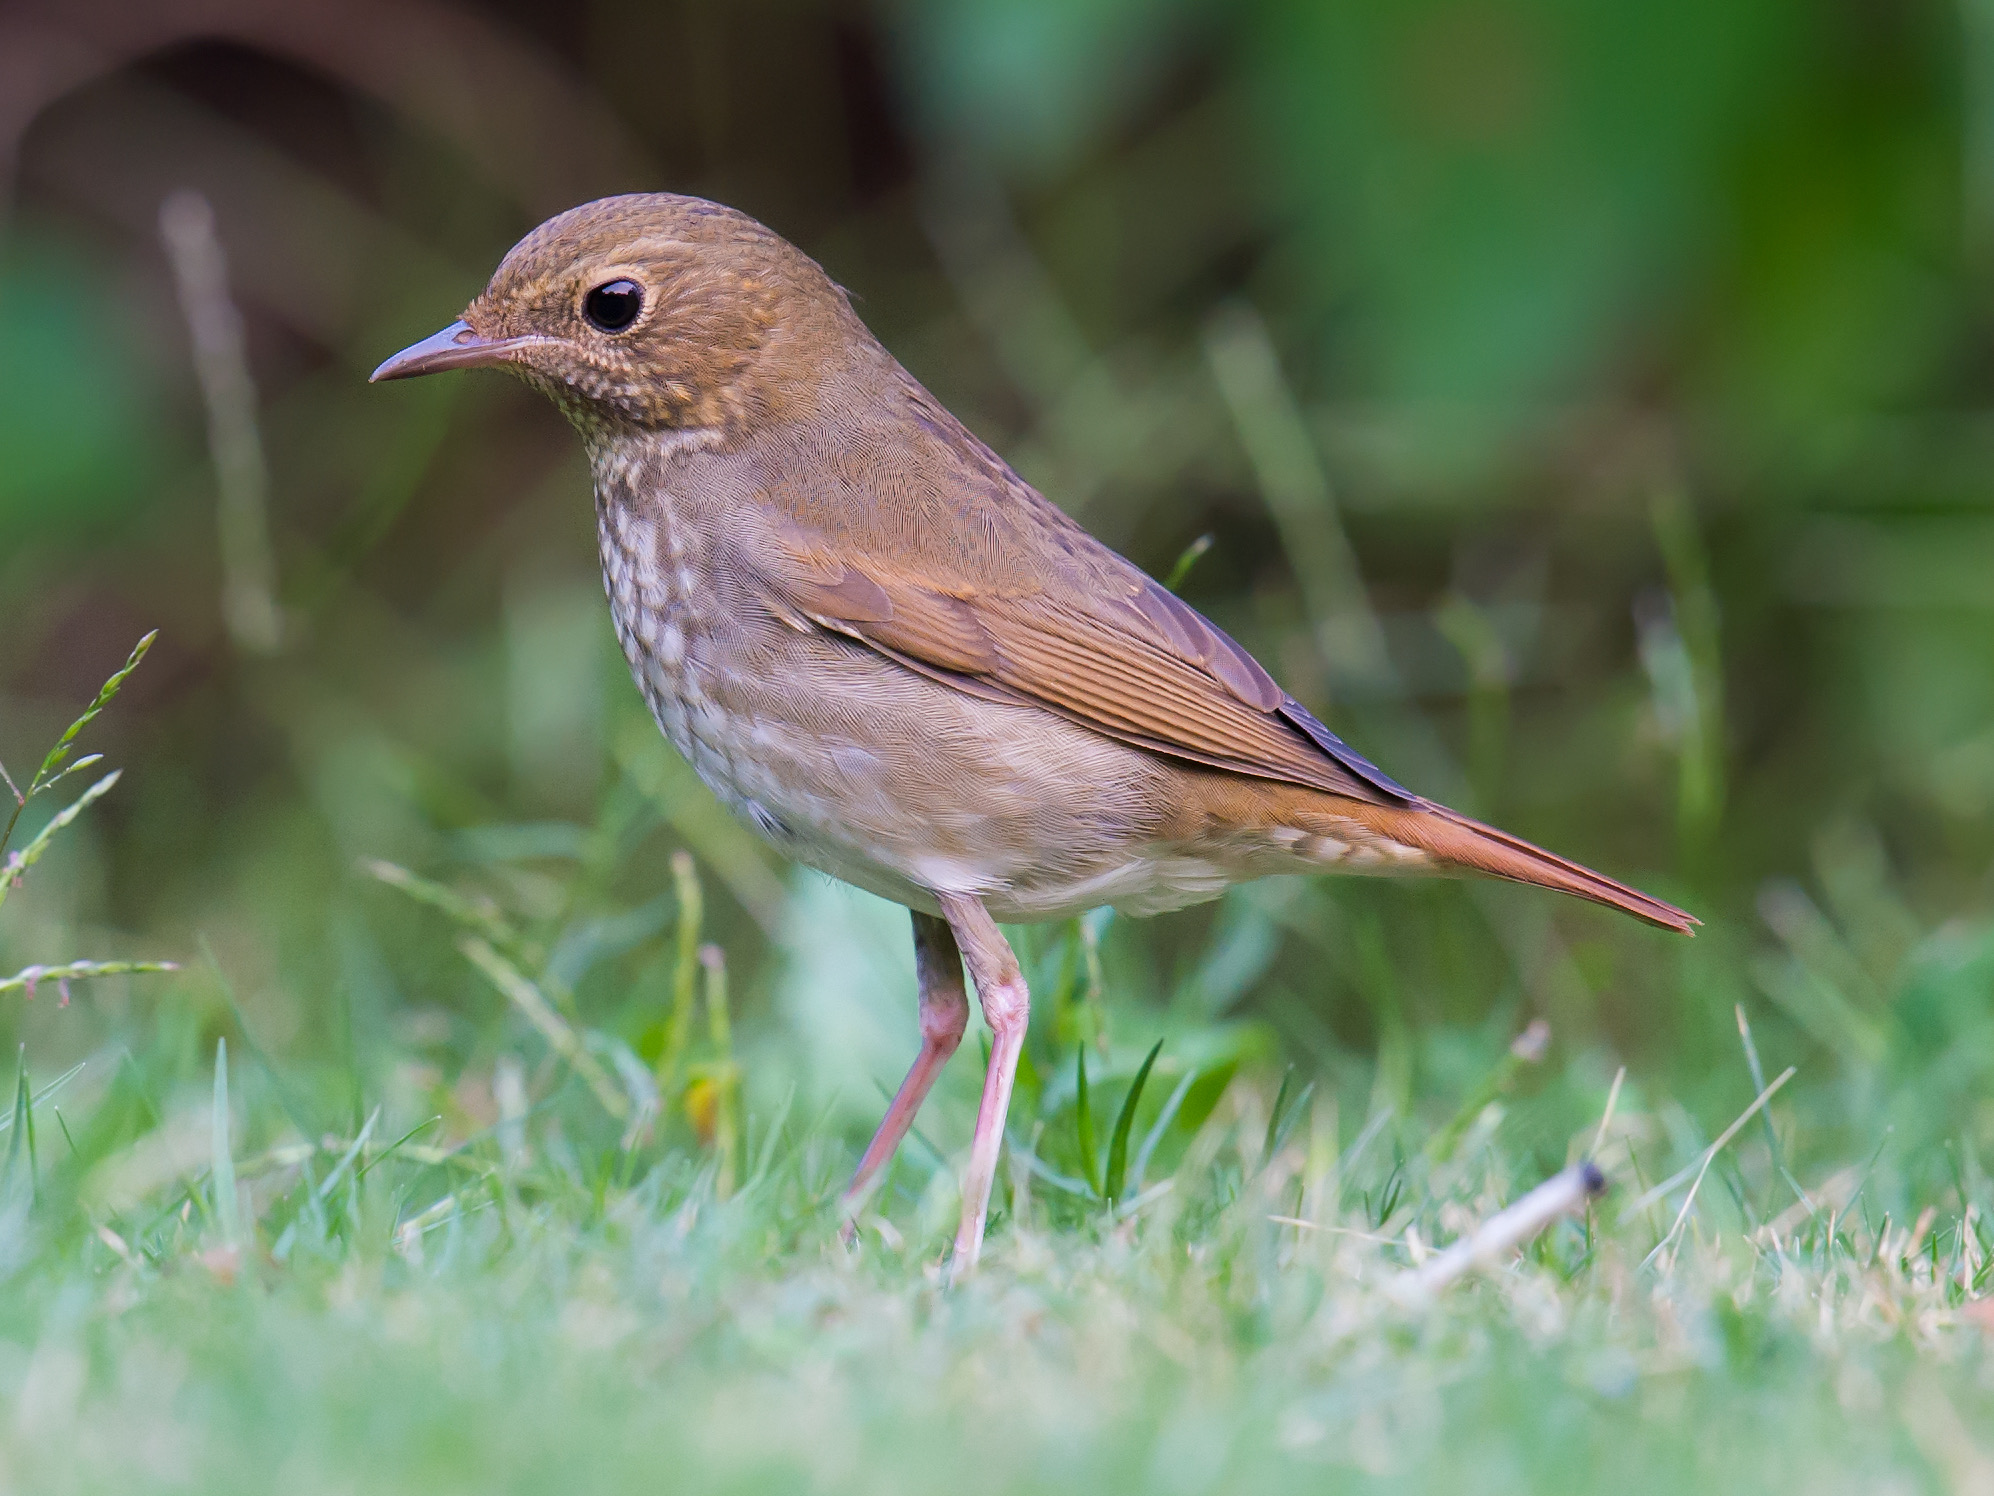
{"points": [[1341, 834], [1454, 840]]}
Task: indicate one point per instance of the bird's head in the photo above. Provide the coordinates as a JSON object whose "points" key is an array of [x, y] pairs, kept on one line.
{"points": [[652, 310]]}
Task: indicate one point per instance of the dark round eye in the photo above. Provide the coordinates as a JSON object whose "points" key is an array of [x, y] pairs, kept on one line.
{"points": [[614, 305]]}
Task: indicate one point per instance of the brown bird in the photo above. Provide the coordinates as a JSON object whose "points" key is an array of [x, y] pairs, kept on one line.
{"points": [[896, 660]]}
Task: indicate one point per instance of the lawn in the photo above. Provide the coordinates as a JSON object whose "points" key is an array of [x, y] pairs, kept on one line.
{"points": [[424, 1084], [597, 1261]]}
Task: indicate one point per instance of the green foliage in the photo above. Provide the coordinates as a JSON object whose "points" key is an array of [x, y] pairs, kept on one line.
{"points": [[53, 769], [480, 1314], [618, 1243], [1083, 1122], [1116, 1177], [221, 1170], [17, 1175], [1581, 406], [71, 369]]}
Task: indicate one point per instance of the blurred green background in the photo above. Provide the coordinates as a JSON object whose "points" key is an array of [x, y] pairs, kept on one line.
{"points": [[1589, 405]]}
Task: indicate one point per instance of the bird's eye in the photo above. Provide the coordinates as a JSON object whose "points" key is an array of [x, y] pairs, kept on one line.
{"points": [[614, 305]]}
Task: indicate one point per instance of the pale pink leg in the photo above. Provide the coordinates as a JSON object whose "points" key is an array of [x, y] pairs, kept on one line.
{"points": [[1000, 988], [944, 1015]]}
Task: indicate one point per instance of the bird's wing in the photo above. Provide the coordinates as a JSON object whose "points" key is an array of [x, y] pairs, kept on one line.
{"points": [[992, 590]]}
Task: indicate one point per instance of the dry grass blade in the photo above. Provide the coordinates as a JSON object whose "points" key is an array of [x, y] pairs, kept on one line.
{"points": [[1308, 1225], [1702, 1167], [1274, 432], [1606, 1116], [221, 365], [477, 914], [565, 1042], [1765, 1118]]}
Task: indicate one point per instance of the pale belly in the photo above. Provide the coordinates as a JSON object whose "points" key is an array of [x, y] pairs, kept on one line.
{"points": [[858, 766]]}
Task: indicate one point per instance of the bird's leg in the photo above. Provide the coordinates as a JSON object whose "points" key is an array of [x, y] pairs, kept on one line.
{"points": [[1000, 988], [944, 1015]]}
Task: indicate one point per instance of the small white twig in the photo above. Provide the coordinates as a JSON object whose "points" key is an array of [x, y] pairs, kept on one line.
{"points": [[1561, 1194]]}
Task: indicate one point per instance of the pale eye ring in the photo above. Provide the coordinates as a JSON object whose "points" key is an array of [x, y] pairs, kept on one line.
{"points": [[614, 305]]}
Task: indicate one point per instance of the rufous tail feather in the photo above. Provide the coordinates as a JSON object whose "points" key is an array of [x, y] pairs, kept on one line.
{"points": [[1454, 839]]}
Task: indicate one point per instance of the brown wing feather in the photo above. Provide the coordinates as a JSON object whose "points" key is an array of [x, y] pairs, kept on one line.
{"points": [[1187, 691], [921, 542]]}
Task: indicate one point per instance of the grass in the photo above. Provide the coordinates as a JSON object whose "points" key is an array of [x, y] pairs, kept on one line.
{"points": [[229, 1272], [396, 1316], [1600, 445]]}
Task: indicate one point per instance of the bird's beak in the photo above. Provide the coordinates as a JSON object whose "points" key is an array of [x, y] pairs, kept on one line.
{"points": [[458, 346]]}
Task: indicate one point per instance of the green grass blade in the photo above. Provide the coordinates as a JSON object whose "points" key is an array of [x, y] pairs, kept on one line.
{"points": [[293, 1106], [685, 970], [358, 1146], [1527, 1049], [28, 977], [88, 761], [46, 1091], [222, 1171], [725, 1073], [17, 1179], [109, 689], [28, 856], [1295, 1114], [1281, 1121], [476, 914], [1118, 1142], [1187, 560], [765, 1159], [1160, 1128], [1274, 1117], [1083, 1122], [1039, 1169], [51, 765]]}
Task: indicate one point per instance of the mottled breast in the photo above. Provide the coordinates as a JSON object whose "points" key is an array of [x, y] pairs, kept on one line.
{"points": [[664, 608]]}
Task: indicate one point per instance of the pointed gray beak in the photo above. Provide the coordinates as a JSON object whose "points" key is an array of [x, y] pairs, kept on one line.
{"points": [[458, 346]]}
